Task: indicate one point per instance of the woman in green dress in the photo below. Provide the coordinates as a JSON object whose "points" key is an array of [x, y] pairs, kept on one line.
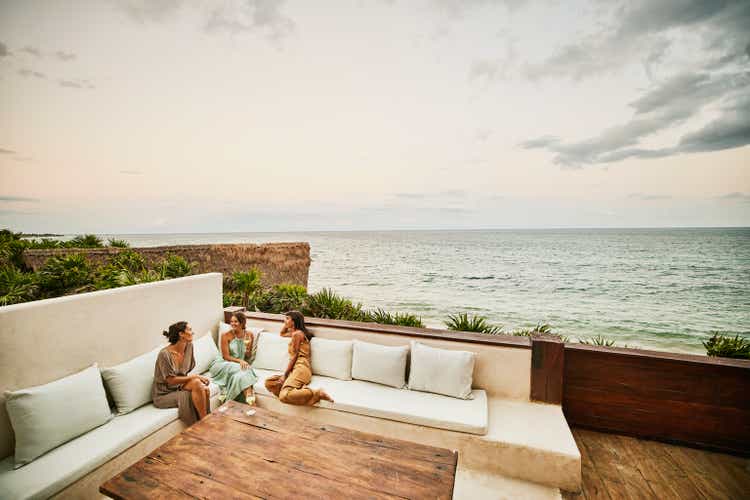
{"points": [[229, 370]]}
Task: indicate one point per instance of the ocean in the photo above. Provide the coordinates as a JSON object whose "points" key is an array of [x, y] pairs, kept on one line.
{"points": [[662, 289]]}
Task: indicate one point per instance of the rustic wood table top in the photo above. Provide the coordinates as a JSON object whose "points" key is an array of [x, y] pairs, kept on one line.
{"points": [[268, 455]]}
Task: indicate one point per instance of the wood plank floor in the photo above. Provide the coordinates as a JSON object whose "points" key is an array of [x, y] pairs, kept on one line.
{"points": [[616, 467]]}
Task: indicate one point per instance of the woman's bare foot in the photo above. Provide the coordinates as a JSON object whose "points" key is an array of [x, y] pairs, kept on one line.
{"points": [[325, 396]]}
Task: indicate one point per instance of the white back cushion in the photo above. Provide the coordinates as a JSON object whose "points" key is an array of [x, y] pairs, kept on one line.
{"points": [[130, 383], [442, 371], [204, 352], [379, 363], [331, 358], [272, 351], [46, 416]]}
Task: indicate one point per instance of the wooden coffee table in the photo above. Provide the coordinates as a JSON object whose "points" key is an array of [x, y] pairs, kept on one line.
{"points": [[268, 455]]}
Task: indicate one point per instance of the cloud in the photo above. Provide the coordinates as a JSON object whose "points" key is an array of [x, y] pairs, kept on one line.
{"points": [[649, 197], [3, 50], [4, 151], [149, 11], [736, 196], [18, 198], [76, 84], [644, 31], [252, 16], [65, 56], [483, 135], [665, 106], [131, 172], [32, 51], [28, 73], [410, 196]]}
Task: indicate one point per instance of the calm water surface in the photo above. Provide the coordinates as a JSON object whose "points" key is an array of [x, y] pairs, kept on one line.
{"points": [[656, 288]]}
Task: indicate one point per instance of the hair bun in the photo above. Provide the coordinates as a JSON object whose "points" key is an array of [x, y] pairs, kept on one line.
{"points": [[165, 333]]}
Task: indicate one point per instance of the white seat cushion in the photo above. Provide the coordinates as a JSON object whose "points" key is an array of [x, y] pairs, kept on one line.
{"points": [[402, 405], [60, 467]]}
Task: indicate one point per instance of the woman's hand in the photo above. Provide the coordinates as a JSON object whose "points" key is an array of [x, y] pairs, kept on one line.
{"points": [[203, 379], [244, 365]]}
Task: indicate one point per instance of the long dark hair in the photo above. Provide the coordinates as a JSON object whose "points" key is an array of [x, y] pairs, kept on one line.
{"points": [[173, 334], [299, 322]]}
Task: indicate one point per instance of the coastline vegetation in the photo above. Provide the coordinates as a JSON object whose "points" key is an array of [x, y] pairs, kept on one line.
{"points": [[72, 273]]}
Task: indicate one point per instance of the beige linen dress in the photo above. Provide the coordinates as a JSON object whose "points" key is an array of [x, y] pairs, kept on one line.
{"points": [[170, 396]]}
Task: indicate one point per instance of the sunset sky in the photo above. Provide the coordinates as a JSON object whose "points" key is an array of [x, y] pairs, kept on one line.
{"points": [[200, 116]]}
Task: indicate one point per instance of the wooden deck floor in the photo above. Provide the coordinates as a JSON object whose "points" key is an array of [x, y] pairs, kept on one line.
{"points": [[623, 467]]}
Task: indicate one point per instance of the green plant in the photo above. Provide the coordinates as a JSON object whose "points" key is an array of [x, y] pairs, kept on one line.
{"points": [[16, 286], [85, 241], [247, 283], [114, 242], [327, 304], [231, 299], [175, 266], [69, 273], [385, 318], [472, 323], [598, 340], [11, 249], [285, 297], [540, 330], [122, 269], [723, 345]]}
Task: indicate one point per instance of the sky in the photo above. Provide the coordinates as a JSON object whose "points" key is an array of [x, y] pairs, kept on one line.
{"points": [[125, 116]]}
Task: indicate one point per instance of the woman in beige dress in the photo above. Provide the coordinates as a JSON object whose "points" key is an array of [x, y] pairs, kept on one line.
{"points": [[292, 387], [173, 387]]}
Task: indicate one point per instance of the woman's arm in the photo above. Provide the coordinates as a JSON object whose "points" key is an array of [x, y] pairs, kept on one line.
{"points": [[227, 355], [285, 332], [296, 341]]}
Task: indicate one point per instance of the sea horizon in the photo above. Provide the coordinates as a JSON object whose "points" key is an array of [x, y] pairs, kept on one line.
{"points": [[653, 288]]}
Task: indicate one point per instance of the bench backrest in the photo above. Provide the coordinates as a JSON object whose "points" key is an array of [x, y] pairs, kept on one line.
{"points": [[501, 371], [46, 340]]}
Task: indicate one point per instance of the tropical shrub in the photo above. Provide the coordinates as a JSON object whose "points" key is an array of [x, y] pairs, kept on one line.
{"points": [[327, 304], [723, 345], [114, 242], [472, 323], [285, 297], [69, 273], [85, 241], [385, 318], [175, 266], [247, 284], [540, 330], [598, 340], [16, 286]]}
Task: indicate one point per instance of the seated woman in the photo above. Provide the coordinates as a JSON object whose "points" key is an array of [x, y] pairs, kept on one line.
{"points": [[173, 387], [292, 386], [229, 370]]}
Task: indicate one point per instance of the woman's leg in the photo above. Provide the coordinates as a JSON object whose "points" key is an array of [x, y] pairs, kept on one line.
{"points": [[198, 395]]}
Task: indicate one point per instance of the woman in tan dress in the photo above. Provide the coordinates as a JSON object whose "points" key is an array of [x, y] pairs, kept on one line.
{"points": [[292, 387], [173, 387]]}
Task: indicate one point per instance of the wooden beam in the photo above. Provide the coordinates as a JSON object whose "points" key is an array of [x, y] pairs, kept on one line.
{"points": [[547, 368]]}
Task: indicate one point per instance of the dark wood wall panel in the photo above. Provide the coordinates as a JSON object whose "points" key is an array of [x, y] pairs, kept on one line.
{"points": [[679, 398]]}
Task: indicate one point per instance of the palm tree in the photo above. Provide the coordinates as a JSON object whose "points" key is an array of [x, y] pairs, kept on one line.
{"points": [[248, 283]]}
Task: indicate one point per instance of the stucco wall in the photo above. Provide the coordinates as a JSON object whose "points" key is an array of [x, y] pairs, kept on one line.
{"points": [[46, 340], [279, 262]]}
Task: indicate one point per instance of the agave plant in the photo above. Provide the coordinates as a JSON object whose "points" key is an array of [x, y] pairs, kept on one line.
{"points": [[114, 242], [85, 241], [540, 330], [723, 345], [386, 318], [65, 274], [247, 283], [472, 323], [16, 287], [327, 304], [598, 340]]}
